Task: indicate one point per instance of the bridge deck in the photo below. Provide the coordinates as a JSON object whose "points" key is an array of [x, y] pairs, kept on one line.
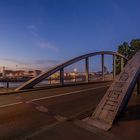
{"points": [[25, 113], [125, 129], [40, 115]]}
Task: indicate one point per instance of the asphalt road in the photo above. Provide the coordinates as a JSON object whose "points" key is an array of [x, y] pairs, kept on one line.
{"points": [[23, 114]]}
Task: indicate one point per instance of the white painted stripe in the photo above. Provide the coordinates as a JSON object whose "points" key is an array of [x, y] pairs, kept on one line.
{"points": [[54, 96], [7, 105], [64, 94]]}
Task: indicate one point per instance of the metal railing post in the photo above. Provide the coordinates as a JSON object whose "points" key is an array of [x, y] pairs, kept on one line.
{"points": [[62, 76], [114, 66], [50, 80], [87, 68], [122, 64], [7, 84], [102, 63]]}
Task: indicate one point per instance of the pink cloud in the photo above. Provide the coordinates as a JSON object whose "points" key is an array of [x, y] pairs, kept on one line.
{"points": [[46, 45]]}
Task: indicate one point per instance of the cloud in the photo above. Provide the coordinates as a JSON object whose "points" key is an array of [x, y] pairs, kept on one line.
{"points": [[31, 27], [40, 41], [13, 61], [35, 63], [46, 45], [46, 62]]}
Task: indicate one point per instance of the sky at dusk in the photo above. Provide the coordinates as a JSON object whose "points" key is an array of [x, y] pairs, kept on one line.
{"points": [[43, 33]]}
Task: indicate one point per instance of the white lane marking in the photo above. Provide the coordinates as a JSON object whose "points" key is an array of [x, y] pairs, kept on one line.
{"points": [[7, 105], [49, 97], [64, 94]]}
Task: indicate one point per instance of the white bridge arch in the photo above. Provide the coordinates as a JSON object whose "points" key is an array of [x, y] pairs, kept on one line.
{"points": [[31, 83]]}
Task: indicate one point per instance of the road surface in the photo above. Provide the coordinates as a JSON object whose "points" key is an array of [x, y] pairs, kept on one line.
{"points": [[56, 114], [23, 114]]}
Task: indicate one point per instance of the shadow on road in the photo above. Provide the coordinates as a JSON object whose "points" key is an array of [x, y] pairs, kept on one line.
{"points": [[131, 113]]}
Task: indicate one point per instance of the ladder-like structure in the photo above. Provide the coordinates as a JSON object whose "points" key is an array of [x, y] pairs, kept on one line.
{"points": [[117, 96]]}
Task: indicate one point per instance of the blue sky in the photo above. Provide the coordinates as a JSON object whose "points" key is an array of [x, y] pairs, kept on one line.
{"points": [[43, 33]]}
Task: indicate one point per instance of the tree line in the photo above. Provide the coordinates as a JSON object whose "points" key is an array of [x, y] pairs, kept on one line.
{"points": [[128, 50]]}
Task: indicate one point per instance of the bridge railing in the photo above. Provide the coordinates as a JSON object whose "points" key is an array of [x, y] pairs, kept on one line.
{"points": [[60, 68]]}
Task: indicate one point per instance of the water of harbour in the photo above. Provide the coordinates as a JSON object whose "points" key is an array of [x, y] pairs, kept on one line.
{"points": [[47, 82], [43, 83]]}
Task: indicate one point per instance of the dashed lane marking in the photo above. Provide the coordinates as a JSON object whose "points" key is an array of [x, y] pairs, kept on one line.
{"points": [[49, 97]]}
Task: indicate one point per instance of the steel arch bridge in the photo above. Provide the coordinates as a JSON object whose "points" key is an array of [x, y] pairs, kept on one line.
{"points": [[34, 81]]}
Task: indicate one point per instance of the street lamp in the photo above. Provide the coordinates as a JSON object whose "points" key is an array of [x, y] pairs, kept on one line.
{"points": [[75, 71]]}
